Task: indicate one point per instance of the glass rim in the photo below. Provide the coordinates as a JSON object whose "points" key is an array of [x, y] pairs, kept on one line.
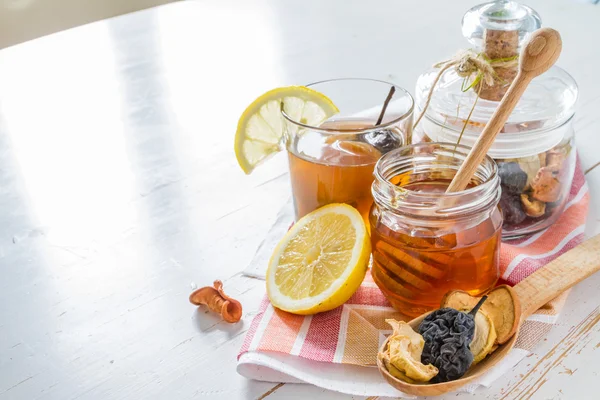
{"points": [[559, 119], [509, 145], [441, 145], [388, 124]]}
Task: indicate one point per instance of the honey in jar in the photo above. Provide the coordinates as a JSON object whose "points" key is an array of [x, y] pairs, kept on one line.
{"points": [[426, 242]]}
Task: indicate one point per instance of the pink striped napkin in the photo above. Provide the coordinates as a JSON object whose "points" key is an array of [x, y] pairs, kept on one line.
{"points": [[337, 350]]}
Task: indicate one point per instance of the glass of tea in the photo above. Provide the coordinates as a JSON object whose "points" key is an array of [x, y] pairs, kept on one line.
{"points": [[334, 162]]}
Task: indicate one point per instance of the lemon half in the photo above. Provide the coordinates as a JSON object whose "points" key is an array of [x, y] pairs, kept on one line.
{"points": [[261, 126], [320, 262]]}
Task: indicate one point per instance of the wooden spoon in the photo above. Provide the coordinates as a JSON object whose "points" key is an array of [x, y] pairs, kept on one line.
{"points": [[533, 292], [538, 55]]}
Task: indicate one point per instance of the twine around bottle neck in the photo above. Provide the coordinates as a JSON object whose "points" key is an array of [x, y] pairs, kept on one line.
{"points": [[468, 63]]}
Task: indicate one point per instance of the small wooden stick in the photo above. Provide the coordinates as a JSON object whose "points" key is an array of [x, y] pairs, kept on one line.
{"points": [[385, 104], [540, 53]]}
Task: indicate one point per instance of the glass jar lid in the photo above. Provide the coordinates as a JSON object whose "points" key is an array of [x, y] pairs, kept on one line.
{"points": [[499, 15]]}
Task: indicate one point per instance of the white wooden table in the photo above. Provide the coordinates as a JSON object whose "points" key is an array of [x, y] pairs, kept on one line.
{"points": [[120, 193]]}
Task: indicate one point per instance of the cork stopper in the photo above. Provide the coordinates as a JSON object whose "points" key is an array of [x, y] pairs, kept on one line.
{"points": [[500, 44], [498, 29]]}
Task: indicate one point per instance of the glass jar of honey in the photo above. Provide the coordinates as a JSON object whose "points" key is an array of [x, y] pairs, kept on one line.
{"points": [[425, 241]]}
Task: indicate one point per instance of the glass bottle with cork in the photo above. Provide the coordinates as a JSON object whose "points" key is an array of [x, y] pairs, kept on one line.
{"points": [[535, 149]]}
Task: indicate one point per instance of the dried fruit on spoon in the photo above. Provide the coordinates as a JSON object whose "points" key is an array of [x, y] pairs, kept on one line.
{"points": [[402, 357], [448, 334], [451, 339]]}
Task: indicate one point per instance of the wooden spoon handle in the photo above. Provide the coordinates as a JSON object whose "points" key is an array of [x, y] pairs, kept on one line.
{"points": [[559, 275], [487, 137]]}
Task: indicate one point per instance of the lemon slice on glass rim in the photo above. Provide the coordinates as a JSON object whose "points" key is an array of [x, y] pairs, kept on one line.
{"points": [[261, 126], [320, 262]]}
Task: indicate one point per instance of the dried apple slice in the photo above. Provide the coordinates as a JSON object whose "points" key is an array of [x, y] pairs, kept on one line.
{"points": [[484, 337], [502, 306], [401, 328], [402, 357], [395, 372]]}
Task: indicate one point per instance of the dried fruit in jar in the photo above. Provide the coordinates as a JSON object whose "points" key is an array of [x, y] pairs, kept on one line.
{"points": [[448, 334], [555, 159], [530, 165], [545, 186], [402, 357], [533, 208], [512, 210], [513, 179]]}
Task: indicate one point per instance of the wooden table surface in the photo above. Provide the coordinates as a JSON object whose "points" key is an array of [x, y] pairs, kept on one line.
{"points": [[120, 193]]}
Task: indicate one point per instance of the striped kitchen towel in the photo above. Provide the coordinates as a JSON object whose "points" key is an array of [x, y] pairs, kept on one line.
{"points": [[337, 350]]}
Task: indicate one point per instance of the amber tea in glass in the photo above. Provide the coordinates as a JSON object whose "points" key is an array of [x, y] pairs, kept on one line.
{"points": [[342, 173], [334, 162]]}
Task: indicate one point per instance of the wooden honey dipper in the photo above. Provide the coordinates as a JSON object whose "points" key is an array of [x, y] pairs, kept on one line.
{"points": [[538, 55]]}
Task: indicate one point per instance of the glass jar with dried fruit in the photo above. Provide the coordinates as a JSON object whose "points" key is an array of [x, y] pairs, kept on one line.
{"points": [[426, 242], [535, 149], [333, 162]]}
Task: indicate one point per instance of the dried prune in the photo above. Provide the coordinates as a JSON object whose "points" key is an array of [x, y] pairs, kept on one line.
{"points": [[513, 179], [383, 140], [511, 207], [448, 333]]}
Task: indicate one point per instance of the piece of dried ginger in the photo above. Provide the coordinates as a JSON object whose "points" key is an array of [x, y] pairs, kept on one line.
{"points": [[216, 300]]}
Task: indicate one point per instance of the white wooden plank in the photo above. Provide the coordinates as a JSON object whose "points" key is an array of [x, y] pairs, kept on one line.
{"points": [[120, 190]]}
